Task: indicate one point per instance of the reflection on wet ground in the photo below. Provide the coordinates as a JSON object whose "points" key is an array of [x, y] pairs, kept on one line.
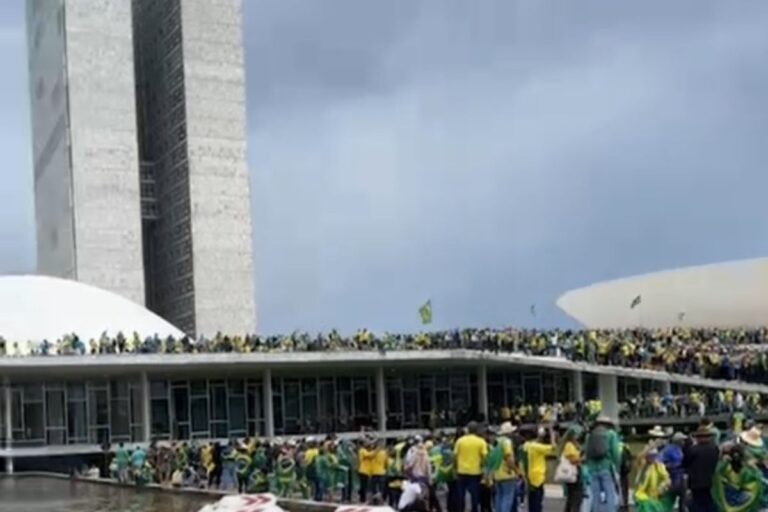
{"points": [[49, 495]]}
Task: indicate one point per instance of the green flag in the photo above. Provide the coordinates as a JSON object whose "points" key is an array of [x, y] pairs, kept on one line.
{"points": [[636, 302], [425, 312]]}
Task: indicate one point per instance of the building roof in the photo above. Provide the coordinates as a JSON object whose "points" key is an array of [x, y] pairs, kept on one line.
{"points": [[34, 308], [730, 294]]}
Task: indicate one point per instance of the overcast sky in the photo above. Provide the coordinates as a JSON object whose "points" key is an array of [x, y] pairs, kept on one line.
{"points": [[486, 154]]}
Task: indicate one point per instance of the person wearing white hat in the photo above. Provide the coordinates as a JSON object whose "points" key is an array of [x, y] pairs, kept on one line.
{"points": [[504, 478]]}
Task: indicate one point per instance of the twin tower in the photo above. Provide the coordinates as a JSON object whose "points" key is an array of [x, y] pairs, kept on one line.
{"points": [[139, 141]]}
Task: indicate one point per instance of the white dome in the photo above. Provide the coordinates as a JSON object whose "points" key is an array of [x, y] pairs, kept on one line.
{"points": [[730, 294], [34, 308]]}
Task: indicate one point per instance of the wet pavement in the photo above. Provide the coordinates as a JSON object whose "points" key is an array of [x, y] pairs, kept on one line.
{"points": [[53, 495]]}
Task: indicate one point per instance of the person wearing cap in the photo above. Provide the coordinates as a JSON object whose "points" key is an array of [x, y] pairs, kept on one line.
{"points": [[700, 463], [505, 474], [652, 482], [602, 462], [470, 452], [671, 455]]}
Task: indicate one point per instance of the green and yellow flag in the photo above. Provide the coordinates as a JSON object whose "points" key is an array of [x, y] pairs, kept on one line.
{"points": [[425, 311]]}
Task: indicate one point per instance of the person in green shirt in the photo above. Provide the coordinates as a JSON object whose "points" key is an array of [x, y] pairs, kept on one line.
{"points": [[603, 460], [122, 459]]}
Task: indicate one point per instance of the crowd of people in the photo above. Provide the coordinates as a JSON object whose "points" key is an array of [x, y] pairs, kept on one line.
{"points": [[502, 469], [732, 354]]}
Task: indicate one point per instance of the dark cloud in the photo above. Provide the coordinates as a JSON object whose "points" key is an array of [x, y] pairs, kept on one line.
{"points": [[494, 154]]}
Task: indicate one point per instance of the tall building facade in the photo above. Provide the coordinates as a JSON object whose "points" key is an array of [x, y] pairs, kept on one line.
{"points": [[141, 182]]}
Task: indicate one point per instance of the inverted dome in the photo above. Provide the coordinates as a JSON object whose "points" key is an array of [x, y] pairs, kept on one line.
{"points": [[730, 294], [34, 308]]}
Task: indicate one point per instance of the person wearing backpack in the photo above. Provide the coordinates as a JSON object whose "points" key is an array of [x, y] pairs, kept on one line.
{"points": [[603, 461]]}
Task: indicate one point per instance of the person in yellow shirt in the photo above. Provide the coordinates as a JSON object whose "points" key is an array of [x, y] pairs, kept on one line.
{"points": [[505, 476], [536, 453], [378, 468], [469, 453], [572, 452], [365, 465]]}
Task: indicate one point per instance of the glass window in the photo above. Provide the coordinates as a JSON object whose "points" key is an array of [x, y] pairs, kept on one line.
{"points": [[198, 388], [236, 387], [158, 389], [55, 409], [291, 399], [77, 426], [180, 405], [75, 391], [120, 419], [34, 425], [119, 389], [218, 403], [159, 415], [98, 403], [237, 413], [199, 415], [33, 392]]}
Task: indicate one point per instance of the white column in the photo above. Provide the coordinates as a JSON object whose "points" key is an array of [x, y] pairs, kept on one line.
{"points": [[146, 410], [381, 399], [8, 420], [577, 393], [608, 392], [482, 391], [268, 410]]}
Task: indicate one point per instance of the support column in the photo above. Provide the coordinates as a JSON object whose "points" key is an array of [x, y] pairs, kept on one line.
{"points": [[381, 399], [666, 387], [146, 404], [608, 392], [577, 391], [268, 409], [8, 421], [482, 391]]}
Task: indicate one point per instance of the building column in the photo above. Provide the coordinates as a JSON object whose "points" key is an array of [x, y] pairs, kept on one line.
{"points": [[608, 393], [268, 408], [381, 399], [8, 420], [666, 387], [482, 391], [146, 404], [577, 391]]}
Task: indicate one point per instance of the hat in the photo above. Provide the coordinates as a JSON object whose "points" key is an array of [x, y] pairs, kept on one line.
{"points": [[704, 431], [678, 437], [507, 428], [752, 437], [604, 420], [657, 431]]}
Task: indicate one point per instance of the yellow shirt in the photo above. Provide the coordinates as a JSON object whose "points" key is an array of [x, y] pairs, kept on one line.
{"points": [[470, 451], [365, 461], [378, 464], [571, 453], [537, 461], [310, 455], [505, 471]]}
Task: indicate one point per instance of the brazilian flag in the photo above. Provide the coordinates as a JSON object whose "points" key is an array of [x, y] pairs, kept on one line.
{"points": [[737, 491], [425, 311]]}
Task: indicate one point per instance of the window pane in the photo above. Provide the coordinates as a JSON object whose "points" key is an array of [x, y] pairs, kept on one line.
{"points": [[199, 415], [55, 409], [76, 421], [218, 403], [160, 423], [34, 428], [120, 419], [181, 404], [237, 413]]}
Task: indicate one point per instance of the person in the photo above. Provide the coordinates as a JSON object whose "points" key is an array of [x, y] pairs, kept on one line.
{"points": [[737, 485], [652, 482], [700, 462], [365, 456], [536, 453], [505, 474], [138, 461], [469, 452], [625, 468], [571, 451], [122, 460], [378, 467], [214, 478], [671, 456], [603, 457], [310, 468]]}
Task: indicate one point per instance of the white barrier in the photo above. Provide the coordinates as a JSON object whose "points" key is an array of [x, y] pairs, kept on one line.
{"points": [[245, 503]]}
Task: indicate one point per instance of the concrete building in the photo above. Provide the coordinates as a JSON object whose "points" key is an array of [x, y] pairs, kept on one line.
{"points": [[141, 184], [71, 405], [729, 294]]}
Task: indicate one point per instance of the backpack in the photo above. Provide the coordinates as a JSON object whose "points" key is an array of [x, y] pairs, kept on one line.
{"points": [[598, 444]]}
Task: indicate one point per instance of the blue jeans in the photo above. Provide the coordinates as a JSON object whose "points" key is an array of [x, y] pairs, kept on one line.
{"points": [[505, 495], [602, 491], [469, 484]]}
